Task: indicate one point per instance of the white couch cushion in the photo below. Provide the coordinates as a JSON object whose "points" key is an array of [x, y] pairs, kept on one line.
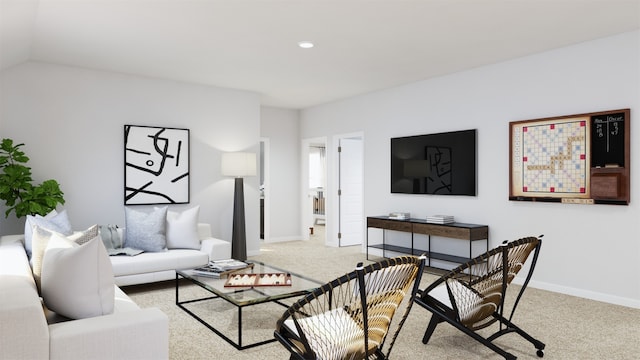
{"points": [[122, 303], [77, 280], [158, 261], [135, 335], [23, 329]]}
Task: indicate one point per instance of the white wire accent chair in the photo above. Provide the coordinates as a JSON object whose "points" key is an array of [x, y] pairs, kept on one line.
{"points": [[352, 316], [472, 296]]}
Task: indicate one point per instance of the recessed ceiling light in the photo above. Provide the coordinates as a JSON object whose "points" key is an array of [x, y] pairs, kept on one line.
{"points": [[305, 44]]}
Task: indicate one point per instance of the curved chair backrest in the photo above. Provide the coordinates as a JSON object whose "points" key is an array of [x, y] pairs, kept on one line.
{"points": [[477, 288], [350, 317]]}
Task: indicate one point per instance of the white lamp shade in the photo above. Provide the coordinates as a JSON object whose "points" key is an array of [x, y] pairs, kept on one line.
{"points": [[239, 164]]}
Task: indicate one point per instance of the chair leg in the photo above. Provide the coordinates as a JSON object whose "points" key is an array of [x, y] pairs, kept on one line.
{"points": [[378, 355], [435, 320], [511, 327]]}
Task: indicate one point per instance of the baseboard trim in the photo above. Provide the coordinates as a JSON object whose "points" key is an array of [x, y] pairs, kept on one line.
{"points": [[284, 239], [586, 294]]}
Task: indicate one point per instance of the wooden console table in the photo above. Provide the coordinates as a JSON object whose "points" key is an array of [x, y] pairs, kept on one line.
{"points": [[461, 231]]}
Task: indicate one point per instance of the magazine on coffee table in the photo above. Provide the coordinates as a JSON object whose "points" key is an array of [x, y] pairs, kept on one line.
{"points": [[222, 268], [229, 264]]}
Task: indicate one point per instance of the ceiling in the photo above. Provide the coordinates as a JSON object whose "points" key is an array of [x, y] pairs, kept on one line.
{"points": [[360, 45]]}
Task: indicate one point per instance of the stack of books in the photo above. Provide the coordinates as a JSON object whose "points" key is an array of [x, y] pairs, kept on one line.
{"points": [[440, 219], [222, 268], [399, 215]]}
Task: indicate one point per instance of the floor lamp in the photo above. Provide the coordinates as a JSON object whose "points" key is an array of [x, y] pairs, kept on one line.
{"points": [[239, 165]]}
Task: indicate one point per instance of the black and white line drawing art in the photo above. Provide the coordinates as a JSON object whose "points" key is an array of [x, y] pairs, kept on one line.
{"points": [[156, 165]]}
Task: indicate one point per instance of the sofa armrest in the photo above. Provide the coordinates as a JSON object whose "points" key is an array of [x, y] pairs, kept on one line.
{"points": [[216, 249], [23, 328], [8, 239], [142, 334]]}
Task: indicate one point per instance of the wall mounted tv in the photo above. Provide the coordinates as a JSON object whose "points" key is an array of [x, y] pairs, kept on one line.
{"points": [[442, 164]]}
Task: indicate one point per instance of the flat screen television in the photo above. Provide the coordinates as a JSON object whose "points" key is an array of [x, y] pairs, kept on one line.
{"points": [[442, 164]]}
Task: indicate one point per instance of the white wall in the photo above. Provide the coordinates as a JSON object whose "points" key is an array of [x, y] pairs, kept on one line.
{"points": [[282, 201], [590, 251], [71, 121]]}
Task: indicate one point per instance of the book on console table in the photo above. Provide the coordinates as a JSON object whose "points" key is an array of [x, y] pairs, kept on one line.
{"points": [[399, 215], [440, 219], [221, 268]]}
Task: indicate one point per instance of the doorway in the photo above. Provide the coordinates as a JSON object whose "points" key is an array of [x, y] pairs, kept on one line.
{"points": [[314, 188], [317, 182]]}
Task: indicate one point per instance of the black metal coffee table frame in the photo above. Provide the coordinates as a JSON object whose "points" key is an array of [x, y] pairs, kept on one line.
{"points": [[258, 295]]}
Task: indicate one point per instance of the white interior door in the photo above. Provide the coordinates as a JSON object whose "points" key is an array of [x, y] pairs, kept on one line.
{"points": [[350, 208]]}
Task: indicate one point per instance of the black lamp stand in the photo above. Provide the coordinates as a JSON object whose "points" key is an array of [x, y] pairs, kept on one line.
{"points": [[239, 237]]}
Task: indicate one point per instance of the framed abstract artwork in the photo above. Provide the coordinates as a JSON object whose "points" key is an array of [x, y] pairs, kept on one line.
{"points": [[156, 165]]}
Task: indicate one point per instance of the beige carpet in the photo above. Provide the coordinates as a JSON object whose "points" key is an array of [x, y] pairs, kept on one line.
{"points": [[572, 328]]}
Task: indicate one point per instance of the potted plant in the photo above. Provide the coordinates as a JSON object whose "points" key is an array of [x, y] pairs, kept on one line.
{"points": [[16, 188]]}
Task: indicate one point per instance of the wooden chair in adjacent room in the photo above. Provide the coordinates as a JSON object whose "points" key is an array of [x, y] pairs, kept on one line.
{"points": [[352, 316], [472, 296]]}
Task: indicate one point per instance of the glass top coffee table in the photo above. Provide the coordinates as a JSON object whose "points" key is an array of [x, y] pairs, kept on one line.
{"points": [[243, 296]]}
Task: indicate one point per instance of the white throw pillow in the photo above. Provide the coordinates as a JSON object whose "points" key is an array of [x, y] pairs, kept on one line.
{"points": [[182, 229], [77, 280], [28, 226], [40, 241], [55, 221], [146, 231]]}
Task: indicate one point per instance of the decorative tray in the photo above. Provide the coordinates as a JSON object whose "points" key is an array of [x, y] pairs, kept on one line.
{"points": [[261, 279]]}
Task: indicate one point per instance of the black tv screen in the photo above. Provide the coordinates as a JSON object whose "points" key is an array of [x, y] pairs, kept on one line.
{"points": [[443, 164]]}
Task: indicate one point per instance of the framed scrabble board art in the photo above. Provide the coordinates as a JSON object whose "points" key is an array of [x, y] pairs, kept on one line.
{"points": [[580, 159], [262, 279]]}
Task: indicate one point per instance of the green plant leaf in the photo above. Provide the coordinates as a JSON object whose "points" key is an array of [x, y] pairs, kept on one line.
{"points": [[16, 188]]}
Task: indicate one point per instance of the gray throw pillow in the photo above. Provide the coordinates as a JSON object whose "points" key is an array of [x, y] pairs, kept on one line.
{"points": [[110, 237], [145, 231], [112, 241]]}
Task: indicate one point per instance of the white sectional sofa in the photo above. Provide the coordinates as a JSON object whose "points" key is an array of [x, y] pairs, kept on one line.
{"points": [[30, 331], [159, 266], [163, 240]]}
